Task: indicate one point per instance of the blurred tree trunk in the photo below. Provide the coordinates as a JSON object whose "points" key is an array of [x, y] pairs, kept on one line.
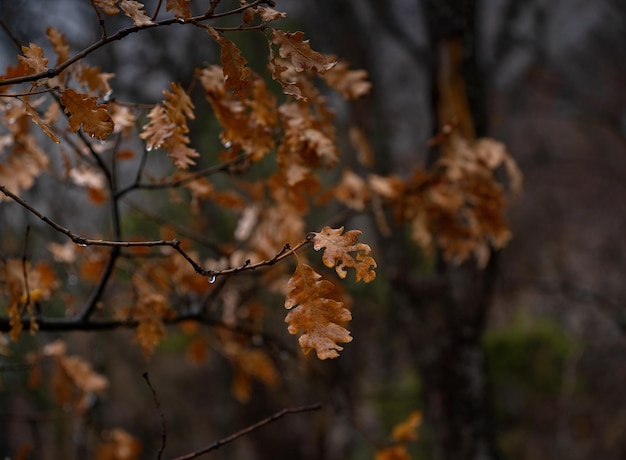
{"points": [[449, 348], [422, 59]]}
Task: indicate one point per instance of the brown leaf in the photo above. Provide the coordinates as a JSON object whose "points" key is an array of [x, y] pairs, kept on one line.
{"points": [[85, 111], [352, 191], [234, 66], [135, 11], [358, 140], [392, 453], [108, 6], [168, 127], [179, 8], [407, 431], [337, 249], [316, 316], [59, 44], [268, 14], [351, 84], [95, 80], [39, 122], [33, 59], [292, 46], [118, 445]]}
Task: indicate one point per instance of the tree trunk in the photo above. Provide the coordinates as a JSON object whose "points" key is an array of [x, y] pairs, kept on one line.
{"points": [[450, 354]]}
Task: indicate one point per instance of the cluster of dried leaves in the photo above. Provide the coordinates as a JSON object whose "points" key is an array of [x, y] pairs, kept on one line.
{"points": [[457, 205]]}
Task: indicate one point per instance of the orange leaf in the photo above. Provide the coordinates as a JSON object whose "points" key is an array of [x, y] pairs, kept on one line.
{"points": [[337, 253], [291, 46], [85, 111], [135, 11], [392, 453], [33, 58], [407, 431], [315, 315]]}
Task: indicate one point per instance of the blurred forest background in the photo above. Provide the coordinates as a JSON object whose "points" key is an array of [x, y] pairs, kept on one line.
{"points": [[545, 349]]}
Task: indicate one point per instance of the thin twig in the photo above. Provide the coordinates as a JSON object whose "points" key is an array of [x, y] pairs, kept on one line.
{"points": [[286, 251], [11, 35], [158, 406], [50, 73], [182, 181], [33, 93], [156, 11], [266, 421]]}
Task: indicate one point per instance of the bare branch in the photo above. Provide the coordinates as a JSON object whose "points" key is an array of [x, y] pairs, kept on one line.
{"points": [[175, 244], [266, 421], [223, 167], [50, 73], [156, 10], [158, 406]]}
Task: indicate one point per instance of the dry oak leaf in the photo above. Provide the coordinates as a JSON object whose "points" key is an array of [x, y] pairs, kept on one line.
{"points": [[108, 6], [135, 11], [45, 127], [350, 84], [236, 73], [269, 14], [315, 315], [337, 253], [92, 78], [85, 111], [33, 58], [59, 44], [179, 8], [291, 46]]}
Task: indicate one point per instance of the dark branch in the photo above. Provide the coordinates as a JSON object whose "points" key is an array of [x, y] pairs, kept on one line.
{"points": [[266, 421], [158, 406], [105, 40]]}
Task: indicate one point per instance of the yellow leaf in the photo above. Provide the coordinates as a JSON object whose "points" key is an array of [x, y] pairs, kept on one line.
{"points": [[85, 111], [316, 316], [337, 249]]}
